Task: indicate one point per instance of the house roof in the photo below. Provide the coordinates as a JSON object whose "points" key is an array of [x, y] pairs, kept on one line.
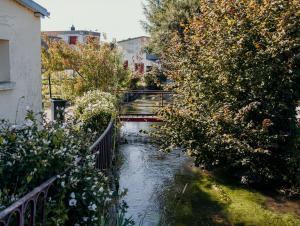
{"points": [[76, 32], [33, 6], [129, 39]]}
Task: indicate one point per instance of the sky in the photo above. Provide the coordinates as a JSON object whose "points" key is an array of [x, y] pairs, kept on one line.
{"points": [[119, 19]]}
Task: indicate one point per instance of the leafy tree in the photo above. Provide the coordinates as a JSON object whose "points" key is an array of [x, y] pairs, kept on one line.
{"points": [[86, 67], [155, 78], [165, 17], [236, 70]]}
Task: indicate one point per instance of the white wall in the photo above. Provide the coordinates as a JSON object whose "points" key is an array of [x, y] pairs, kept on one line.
{"points": [[80, 38], [22, 29], [133, 51]]}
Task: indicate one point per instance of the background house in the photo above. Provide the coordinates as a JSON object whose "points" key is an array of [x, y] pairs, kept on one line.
{"points": [[135, 55], [73, 36], [20, 58]]}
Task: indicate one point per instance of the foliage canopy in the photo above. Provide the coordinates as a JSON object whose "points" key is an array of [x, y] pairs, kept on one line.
{"points": [[236, 69], [86, 67]]}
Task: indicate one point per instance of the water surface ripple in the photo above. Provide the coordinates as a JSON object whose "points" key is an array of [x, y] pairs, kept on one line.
{"points": [[145, 172]]}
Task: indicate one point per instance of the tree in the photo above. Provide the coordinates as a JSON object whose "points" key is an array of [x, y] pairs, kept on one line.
{"points": [[93, 66], [155, 78], [236, 70], [165, 17]]}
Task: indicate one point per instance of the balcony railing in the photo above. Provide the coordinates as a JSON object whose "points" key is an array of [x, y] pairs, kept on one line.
{"points": [[31, 208]]}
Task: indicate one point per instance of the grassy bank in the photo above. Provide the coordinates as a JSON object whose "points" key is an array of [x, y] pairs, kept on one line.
{"points": [[199, 198]]}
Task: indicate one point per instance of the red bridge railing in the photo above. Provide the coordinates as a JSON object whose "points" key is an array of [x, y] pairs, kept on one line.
{"points": [[30, 209]]}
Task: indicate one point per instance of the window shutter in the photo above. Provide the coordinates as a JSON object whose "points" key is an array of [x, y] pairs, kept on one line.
{"points": [[141, 68], [73, 40]]}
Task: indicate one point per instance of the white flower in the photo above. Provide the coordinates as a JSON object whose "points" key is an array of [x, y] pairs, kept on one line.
{"points": [[72, 202], [85, 219], [77, 159], [62, 184], [29, 123], [13, 198], [83, 196], [94, 218], [72, 195], [15, 127], [244, 180], [101, 189], [46, 141], [92, 207], [76, 224]]}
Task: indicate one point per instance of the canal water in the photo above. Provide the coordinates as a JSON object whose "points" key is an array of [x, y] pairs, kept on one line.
{"points": [[146, 172]]}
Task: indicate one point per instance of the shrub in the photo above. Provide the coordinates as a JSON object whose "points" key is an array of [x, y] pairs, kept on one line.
{"points": [[155, 78], [32, 153], [95, 109], [236, 70], [28, 154]]}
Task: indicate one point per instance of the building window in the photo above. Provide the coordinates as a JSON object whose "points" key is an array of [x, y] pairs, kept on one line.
{"points": [[4, 61], [73, 40]]}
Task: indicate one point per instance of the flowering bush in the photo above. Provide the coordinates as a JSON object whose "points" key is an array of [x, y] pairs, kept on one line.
{"points": [[28, 154], [33, 152], [95, 109]]}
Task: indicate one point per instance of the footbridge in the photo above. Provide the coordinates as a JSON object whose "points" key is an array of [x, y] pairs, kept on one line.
{"points": [[143, 105]]}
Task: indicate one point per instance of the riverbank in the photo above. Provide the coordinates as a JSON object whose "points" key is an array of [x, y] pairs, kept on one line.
{"points": [[200, 198]]}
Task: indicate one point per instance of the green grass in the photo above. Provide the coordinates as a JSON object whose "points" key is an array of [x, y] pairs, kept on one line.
{"points": [[210, 201]]}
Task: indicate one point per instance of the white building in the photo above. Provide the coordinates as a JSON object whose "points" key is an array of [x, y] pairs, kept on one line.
{"points": [[73, 36], [135, 56], [20, 58]]}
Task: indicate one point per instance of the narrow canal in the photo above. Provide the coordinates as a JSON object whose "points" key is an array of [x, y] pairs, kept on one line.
{"points": [[146, 172]]}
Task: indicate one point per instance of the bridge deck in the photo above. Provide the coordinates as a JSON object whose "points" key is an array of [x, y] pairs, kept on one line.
{"points": [[139, 118]]}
